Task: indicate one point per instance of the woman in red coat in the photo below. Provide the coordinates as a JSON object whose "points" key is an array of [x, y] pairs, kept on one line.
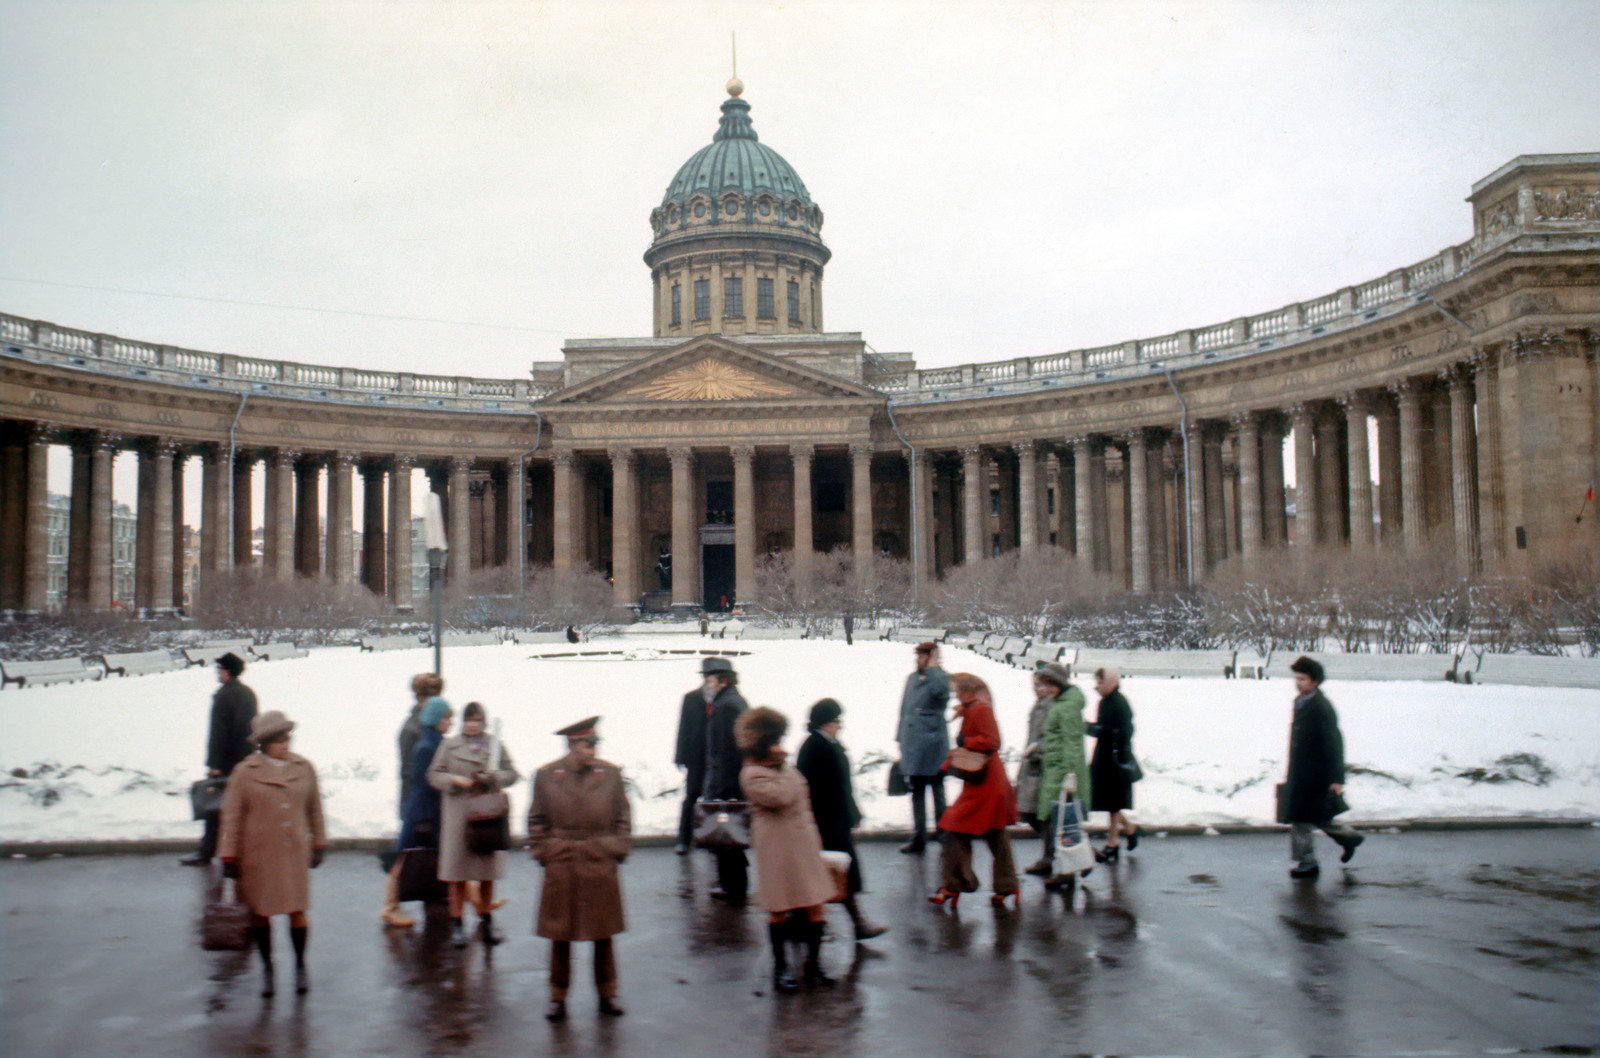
{"points": [[983, 808]]}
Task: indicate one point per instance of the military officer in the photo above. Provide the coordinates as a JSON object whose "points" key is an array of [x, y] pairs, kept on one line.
{"points": [[578, 828]]}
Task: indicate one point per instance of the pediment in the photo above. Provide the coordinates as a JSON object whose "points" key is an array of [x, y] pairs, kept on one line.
{"points": [[710, 369]]}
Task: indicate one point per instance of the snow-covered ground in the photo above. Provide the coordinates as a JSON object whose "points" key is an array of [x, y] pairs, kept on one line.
{"points": [[113, 760]]}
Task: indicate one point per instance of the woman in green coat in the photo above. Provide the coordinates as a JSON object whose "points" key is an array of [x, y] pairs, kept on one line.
{"points": [[1061, 749]]}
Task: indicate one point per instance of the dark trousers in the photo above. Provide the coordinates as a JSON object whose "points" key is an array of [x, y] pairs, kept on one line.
{"points": [[959, 877], [207, 849], [605, 968], [733, 872], [919, 810], [692, 781]]}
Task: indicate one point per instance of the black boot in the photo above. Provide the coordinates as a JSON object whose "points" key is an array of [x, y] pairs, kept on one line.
{"points": [[297, 937], [813, 971], [262, 935], [865, 928], [782, 980], [458, 936], [487, 931]]}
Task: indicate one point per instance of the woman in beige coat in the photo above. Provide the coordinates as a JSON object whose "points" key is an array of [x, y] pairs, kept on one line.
{"points": [[272, 836], [788, 848], [462, 768]]}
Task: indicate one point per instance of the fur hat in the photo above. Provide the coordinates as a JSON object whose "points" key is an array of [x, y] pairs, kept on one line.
{"points": [[825, 712], [758, 730], [268, 726], [231, 663], [1309, 666], [1055, 672]]}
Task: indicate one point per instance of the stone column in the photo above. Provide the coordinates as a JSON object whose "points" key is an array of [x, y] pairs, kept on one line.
{"points": [[159, 588], [78, 524], [1413, 526], [919, 464], [1274, 519], [307, 518], [1463, 470], [1138, 512], [1491, 478], [1194, 463], [516, 519], [1216, 535], [36, 519], [102, 455], [13, 486], [1250, 534], [400, 578], [744, 523], [144, 531], [458, 521], [341, 516], [180, 532], [1330, 501], [1307, 518], [1083, 508], [1360, 470], [277, 536], [1156, 525], [683, 523], [244, 535], [974, 512], [861, 506], [624, 529], [374, 549], [1388, 416], [1027, 497], [563, 507], [804, 529]]}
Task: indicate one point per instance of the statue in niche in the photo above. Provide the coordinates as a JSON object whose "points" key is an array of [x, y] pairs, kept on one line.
{"points": [[664, 569]]}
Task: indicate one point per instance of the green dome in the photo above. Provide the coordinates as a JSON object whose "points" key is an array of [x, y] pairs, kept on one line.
{"points": [[736, 160]]}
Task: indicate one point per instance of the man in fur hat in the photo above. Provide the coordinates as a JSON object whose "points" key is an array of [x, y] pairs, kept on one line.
{"points": [[1313, 794], [233, 706]]}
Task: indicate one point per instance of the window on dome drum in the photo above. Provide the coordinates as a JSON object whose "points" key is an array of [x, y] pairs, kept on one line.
{"points": [[764, 307], [1049, 501], [994, 503], [794, 301], [702, 299], [732, 296], [677, 304]]}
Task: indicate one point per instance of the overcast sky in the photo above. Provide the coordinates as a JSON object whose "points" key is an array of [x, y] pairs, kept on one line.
{"points": [[998, 180]]}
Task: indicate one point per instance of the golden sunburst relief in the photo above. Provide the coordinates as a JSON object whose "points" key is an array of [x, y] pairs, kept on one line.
{"points": [[708, 380]]}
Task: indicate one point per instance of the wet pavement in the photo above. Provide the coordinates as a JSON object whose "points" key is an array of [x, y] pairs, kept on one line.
{"points": [[1441, 942]]}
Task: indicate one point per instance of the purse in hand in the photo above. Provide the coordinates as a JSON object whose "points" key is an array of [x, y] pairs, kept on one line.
{"points": [[968, 765], [225, 922], [721, 825], [1130, 767], [488, 823], [897, 781], [205, 796]]}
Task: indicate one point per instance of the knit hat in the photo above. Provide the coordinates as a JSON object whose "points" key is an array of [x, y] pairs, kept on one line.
{"points": [[1054, 672], [824, 713], [434, 710]]}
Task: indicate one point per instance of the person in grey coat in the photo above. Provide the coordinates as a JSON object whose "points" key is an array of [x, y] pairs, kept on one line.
{"points": [[924, 740]]}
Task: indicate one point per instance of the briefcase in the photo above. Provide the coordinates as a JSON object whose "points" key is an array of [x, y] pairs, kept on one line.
{"points": [[205, 796], [419, 876], [721, 825]]}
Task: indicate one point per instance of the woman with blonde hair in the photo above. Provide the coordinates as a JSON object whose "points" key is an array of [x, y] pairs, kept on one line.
{"points": [[784, 838], [985, 806]]}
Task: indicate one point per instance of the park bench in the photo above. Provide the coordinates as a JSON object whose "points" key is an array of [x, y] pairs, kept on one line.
{"points": [[1533, 671], [279, 651], [989, 647], [139, 664], [1421, 667], [1011, 647], [920, 635], [529, 639], [377, 643], [1172, 664], [1039, 654], [1249, 665], [729, 630], [471, 639], [207, 653], [55, 670], [774, 633]]}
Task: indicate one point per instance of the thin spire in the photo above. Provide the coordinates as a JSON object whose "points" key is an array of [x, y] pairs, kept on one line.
{"points": [[735, 86]]}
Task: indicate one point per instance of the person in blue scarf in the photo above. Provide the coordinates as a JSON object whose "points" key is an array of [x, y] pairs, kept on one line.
{"points": [[419, 822]]}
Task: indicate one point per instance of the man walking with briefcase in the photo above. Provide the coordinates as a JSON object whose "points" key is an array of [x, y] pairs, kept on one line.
{"points": [[233, 706], [1314, 791], [723, 760]]}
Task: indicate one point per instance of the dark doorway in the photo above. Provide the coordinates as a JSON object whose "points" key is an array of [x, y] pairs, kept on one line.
{"points": [[716, 566]]}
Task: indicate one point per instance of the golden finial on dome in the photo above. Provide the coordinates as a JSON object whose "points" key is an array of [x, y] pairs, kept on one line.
{"points": [[735, 86]]}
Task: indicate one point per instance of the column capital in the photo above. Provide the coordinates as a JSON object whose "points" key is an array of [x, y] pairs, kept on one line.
{"points": [[290, 455], [103, 441], [1302, 414], [164, 447], [402, 463], [1407, 391], [246, 457], [461, 464], [680, 456], [743, 453], [971, 452], [1354, 404], [562, 457], [804, 451], [341, 460], [36, 433], [1243, 421], [1024, 449], [1133, 436], [861, 450], [622, 458], [1081, 442]]}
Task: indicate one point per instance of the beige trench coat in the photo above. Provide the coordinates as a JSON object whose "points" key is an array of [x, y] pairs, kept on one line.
{"points": [[784, 837], [271, 820], [578, 827], [454, 757]]}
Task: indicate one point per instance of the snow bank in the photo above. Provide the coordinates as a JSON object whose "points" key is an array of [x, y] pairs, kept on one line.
{"points": [[113, 760]]}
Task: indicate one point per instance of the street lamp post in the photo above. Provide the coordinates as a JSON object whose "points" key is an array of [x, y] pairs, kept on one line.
{"points": [[438, 554]]}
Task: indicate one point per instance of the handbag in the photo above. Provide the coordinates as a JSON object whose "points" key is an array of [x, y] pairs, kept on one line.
{"points": [[897, 781], [1070, 851], [838, 864], [488, 828], [1282, 794], [1130, 767], [225, 922], [721, 825], [968, 765], [419, 876], [205, 796]]}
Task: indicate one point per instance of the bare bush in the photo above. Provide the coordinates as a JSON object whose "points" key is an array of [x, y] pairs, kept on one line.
{"points": [[254, 603], [834, 585], [81, 633], [1020, 594]]}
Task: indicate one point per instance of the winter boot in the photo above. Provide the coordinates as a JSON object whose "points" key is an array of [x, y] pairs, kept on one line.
{"points": [[297, 937], [262, 935], [782, 980], [487, 931], [813, 969], [458, 936], [865, 929], [390, 915]]}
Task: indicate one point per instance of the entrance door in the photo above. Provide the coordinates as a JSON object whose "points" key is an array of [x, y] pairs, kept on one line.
{"points": [[716, 573]]}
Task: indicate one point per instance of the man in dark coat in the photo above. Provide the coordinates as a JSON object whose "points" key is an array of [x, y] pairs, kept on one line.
{"points": [[691, 753], [233, 706], [924, 740], [1316, 772], [826, 768], [723, 760]]}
